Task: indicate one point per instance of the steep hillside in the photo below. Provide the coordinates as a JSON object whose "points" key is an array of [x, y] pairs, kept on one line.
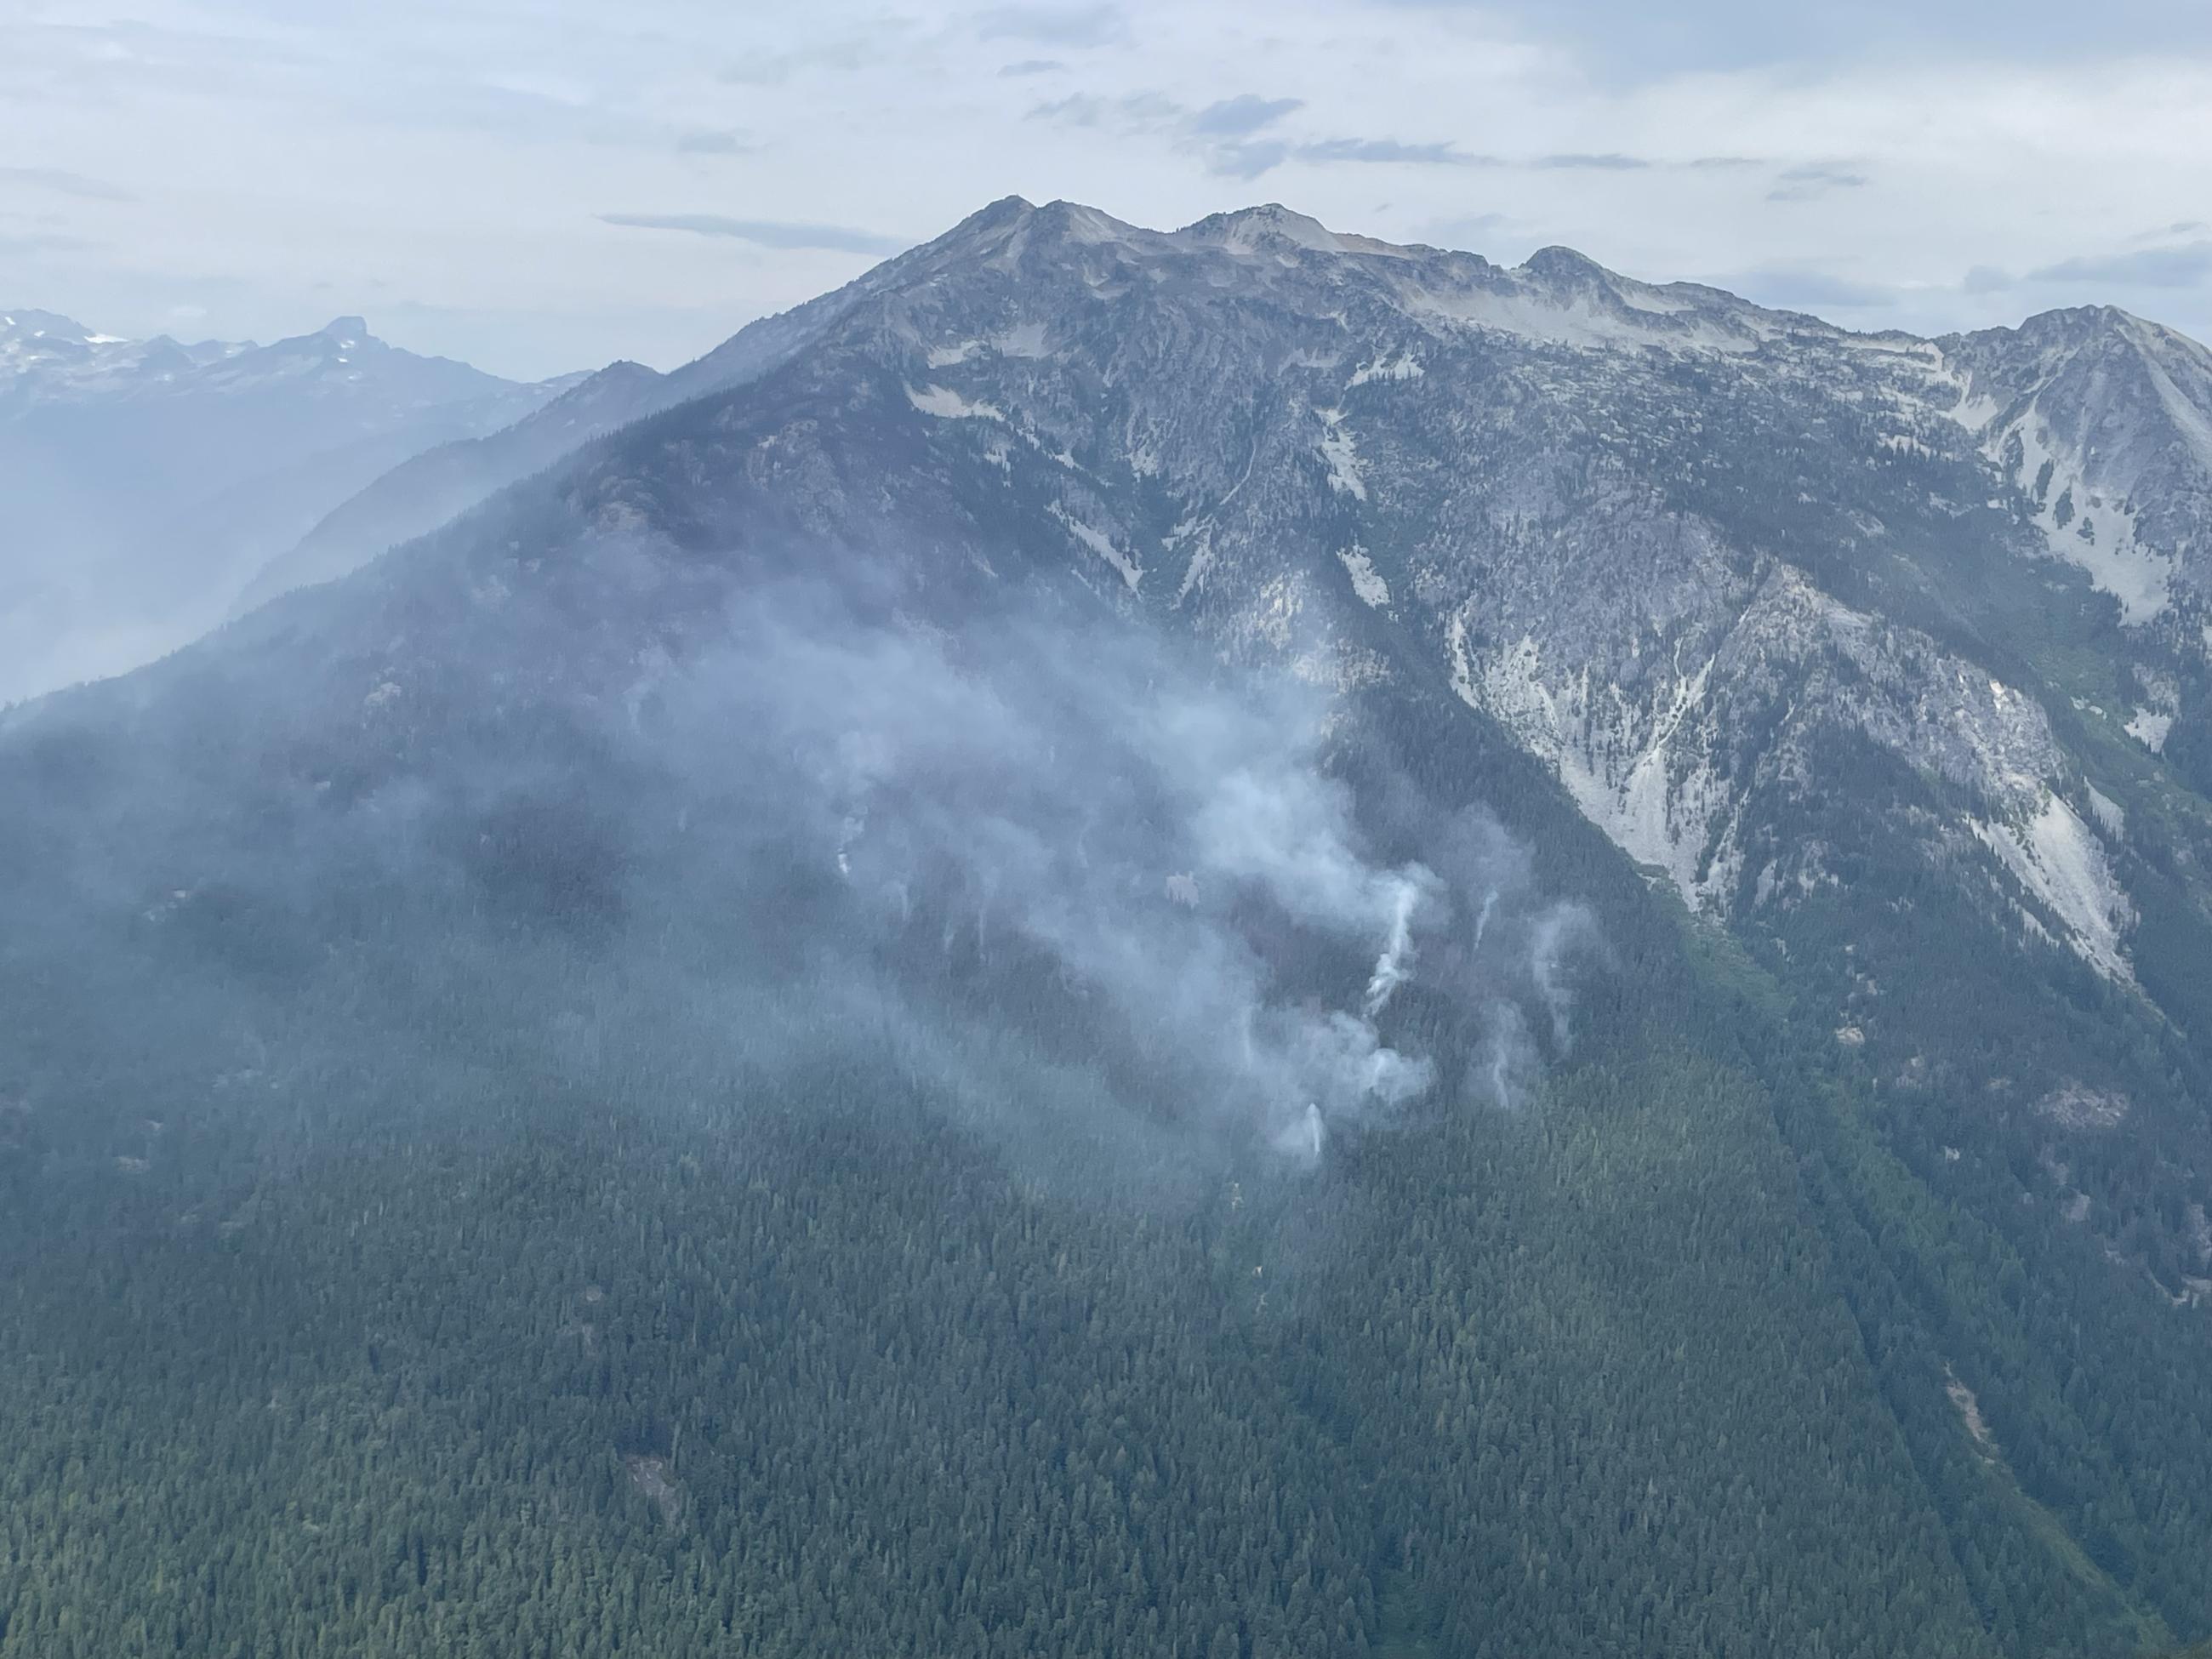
{"points": [[1237, 941]]}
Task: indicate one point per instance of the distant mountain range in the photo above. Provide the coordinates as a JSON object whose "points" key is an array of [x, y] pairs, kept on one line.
{"points": [[1665, 1062], [146, 480]]}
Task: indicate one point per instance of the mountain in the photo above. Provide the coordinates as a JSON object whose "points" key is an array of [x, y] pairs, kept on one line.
{"points": [[428, 489], [425, 492], [1234, 940], [2097, 418], [146, 480]]}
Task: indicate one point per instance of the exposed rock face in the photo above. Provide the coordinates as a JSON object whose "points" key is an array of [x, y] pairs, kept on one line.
{"points": [[2104, 422], [1687, 550], [1736, 576]]}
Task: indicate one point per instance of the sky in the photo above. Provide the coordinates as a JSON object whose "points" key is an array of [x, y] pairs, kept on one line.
{"points": [[544, 185]]}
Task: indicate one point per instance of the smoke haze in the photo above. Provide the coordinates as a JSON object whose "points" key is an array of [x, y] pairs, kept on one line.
{"points": [[1097, 839]]}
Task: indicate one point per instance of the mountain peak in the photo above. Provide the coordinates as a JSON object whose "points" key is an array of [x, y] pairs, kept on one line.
{"points": [[1005, 210], [1270, 222], [990, 219], [52, 324], [346, 331], [1565, 267]]}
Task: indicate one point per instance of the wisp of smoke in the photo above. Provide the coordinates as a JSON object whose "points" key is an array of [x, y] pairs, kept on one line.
{"points": [[1557, 932], [1098, 836]]}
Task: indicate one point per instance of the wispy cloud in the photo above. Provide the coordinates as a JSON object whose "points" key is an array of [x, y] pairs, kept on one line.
{"points": [[1247, 159], [1462, 230], [1053, 25], [63, 183], [1137, 112], [1385, 151], [762, 233], [1242, 116], [13, 245], [1028, 66], [714, 143], [2186, 264], [834, 57], [1806, 288], [1813, 180], [1581, 163]]}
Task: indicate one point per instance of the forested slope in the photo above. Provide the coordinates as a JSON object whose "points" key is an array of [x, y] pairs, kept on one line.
{"points": [[756, 1048]]}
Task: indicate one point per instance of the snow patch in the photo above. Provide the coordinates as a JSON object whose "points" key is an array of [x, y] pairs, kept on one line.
{"points": [[2148, 727], [1201, 559], [2082, 527], [1404, 367], [2111, 817], [948, 404], [1366, 582], [1342, 456], [1100, 543]]}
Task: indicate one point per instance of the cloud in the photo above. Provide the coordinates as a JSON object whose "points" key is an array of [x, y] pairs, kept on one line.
{"points": [[1584, 163], [1385, 151], [1031, 66], [1634, 45], [1248, 162], [2186, 264], [13, 245], [1813, 180], [714, 143], [774, 69], [762, 233], [1986, 279], [1075, 25], [63, 183], [1078, 109], [1806, 288], [1462, 230], [1222, 133], [1248, 159], [1242, 116], [1139, 112]]}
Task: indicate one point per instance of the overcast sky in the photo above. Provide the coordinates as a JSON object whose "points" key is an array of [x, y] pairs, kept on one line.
{"points": [[538, 185]]}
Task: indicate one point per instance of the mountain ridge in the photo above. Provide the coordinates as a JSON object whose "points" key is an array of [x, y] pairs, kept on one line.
{"points": [[1745, 1095], [146, 480]]}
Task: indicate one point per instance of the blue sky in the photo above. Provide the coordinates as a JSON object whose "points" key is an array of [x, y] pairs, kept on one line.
{"points": [[543, 185]]}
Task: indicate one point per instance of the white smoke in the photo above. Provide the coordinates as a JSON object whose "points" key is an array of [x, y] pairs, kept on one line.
{"points": [[1410, 889], [1507, 1066], [1020, 799], [1303, 1137], [1559, 931], [1482, 918]]}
